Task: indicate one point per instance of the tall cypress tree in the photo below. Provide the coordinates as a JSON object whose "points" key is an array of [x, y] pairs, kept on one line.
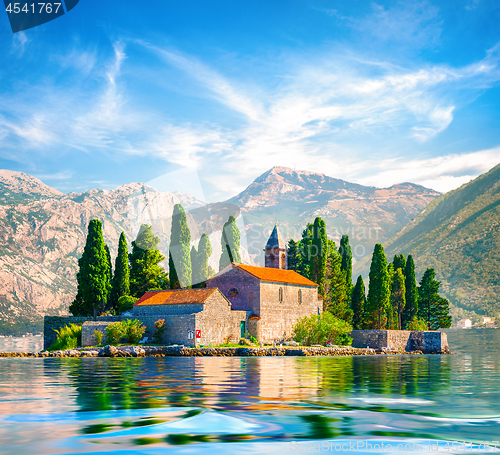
{"points": [[336, 293], [145, 272], [179, 251], [345, 251], [294, 255], [433, 308], [358, 302], [411, 294], [230, 243], [195, 274], [319, 254], [108, 256], [120, 285], [93, 276], [305, 251], [398, 297], [203, 256], [379, 289]]}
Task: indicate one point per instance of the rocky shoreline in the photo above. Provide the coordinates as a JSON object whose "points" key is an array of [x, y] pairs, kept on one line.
{"points": [[182, 351]]}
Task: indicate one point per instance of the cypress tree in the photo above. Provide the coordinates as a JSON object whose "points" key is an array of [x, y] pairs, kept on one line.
{"points": [[305, 251], [432, 307], [336, 293], [379, 290], [345, 251], [108, 256], [398, 297], [179, 251], [230, 242], [145, 272], [319, 254], [195, 274], [358, 302], [399, 262], [93, 276], [203, 256], [121, 279], [411, 295], [294, 255]]}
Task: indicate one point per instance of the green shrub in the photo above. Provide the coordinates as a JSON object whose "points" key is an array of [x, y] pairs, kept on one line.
{"points": [[253, 339], [125, 303], [417, 324], [68, 337], [115, 332], [98, 335], [133, 330], [319, 329]]}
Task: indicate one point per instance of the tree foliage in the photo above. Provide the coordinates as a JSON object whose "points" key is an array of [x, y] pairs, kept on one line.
{"points": [[411, 293], [145, 272], [94, 274], [379, 290], [345, 251], [398, 297], [433, 308], [358, 303], [120, 284], [318, 254], [319, 329], [199, 259], [230, 242], [179, 251]]}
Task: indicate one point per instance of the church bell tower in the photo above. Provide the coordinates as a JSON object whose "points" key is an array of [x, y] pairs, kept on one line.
{"points": [[276, 251]]}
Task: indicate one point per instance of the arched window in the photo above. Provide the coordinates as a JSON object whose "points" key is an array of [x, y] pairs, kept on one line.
{"points": [[300, 295], [281, 294], [272, 259], [232, 292], [283, 261]]}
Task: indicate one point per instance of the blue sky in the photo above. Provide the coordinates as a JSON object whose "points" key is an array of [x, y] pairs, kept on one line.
{"points": [[371, 92]]}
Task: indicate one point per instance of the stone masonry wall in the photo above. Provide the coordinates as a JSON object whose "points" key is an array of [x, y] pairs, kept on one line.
{"points": [[405, 340], [278, 318], [248, 298], [148, 310]]}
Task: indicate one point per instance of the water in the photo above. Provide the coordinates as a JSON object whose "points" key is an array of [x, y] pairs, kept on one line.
{"points": [[255, 405]]}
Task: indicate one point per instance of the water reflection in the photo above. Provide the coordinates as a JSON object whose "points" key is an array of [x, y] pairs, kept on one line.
{"points": [[69, 405]]}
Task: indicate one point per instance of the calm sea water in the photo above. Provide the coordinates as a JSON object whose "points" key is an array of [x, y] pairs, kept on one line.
{"points": [[256, 405]]}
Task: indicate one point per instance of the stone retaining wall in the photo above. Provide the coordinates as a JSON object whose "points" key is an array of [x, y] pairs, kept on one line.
{"points": [[401, 340]]}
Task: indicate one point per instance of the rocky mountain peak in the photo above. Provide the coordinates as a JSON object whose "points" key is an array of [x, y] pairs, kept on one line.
{"points": [[19, 182]]}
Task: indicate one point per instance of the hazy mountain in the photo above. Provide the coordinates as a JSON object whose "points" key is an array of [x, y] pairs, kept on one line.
{"points": [[292, 198], [459, 235]]}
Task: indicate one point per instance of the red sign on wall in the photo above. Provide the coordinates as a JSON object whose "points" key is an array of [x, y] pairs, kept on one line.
{"points": [[198, 334]]}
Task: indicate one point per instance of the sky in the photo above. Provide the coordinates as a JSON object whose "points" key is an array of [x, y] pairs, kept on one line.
{"points": [[204, 96]]}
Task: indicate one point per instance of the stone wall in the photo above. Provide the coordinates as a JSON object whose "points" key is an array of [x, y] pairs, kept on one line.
{"points": [[404, 340], [278, 318], [248, 298], [149, 310], [88, 328]]}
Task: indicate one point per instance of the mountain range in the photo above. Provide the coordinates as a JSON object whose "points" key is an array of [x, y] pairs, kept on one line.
{"points": [[43, 231], [458, 234]]}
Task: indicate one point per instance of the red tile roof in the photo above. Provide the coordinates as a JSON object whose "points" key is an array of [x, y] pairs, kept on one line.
{"points": [[176, 297], [276, 275]]}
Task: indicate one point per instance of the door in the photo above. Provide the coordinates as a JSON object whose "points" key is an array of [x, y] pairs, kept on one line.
{"points": [[242, 328]]}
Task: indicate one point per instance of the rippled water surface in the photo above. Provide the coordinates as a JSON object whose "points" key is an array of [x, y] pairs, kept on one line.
{"points": [[255, 405]]}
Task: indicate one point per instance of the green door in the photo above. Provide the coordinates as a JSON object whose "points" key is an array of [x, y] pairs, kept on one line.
{"points": [[242, 328]]}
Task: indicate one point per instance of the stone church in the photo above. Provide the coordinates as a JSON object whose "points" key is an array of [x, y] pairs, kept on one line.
{"points": [[265, 302]]}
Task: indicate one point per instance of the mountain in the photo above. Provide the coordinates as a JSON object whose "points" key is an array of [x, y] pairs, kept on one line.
{"points": [[43, 231], [459, 235], [293, 198], [42, 235]]}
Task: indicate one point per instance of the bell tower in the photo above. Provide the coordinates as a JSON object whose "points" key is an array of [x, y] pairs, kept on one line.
{"points": [[276, 251]]}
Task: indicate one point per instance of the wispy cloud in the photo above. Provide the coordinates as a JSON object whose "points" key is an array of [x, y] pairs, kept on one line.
{"points": [[19, 43], [310, 118]]}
